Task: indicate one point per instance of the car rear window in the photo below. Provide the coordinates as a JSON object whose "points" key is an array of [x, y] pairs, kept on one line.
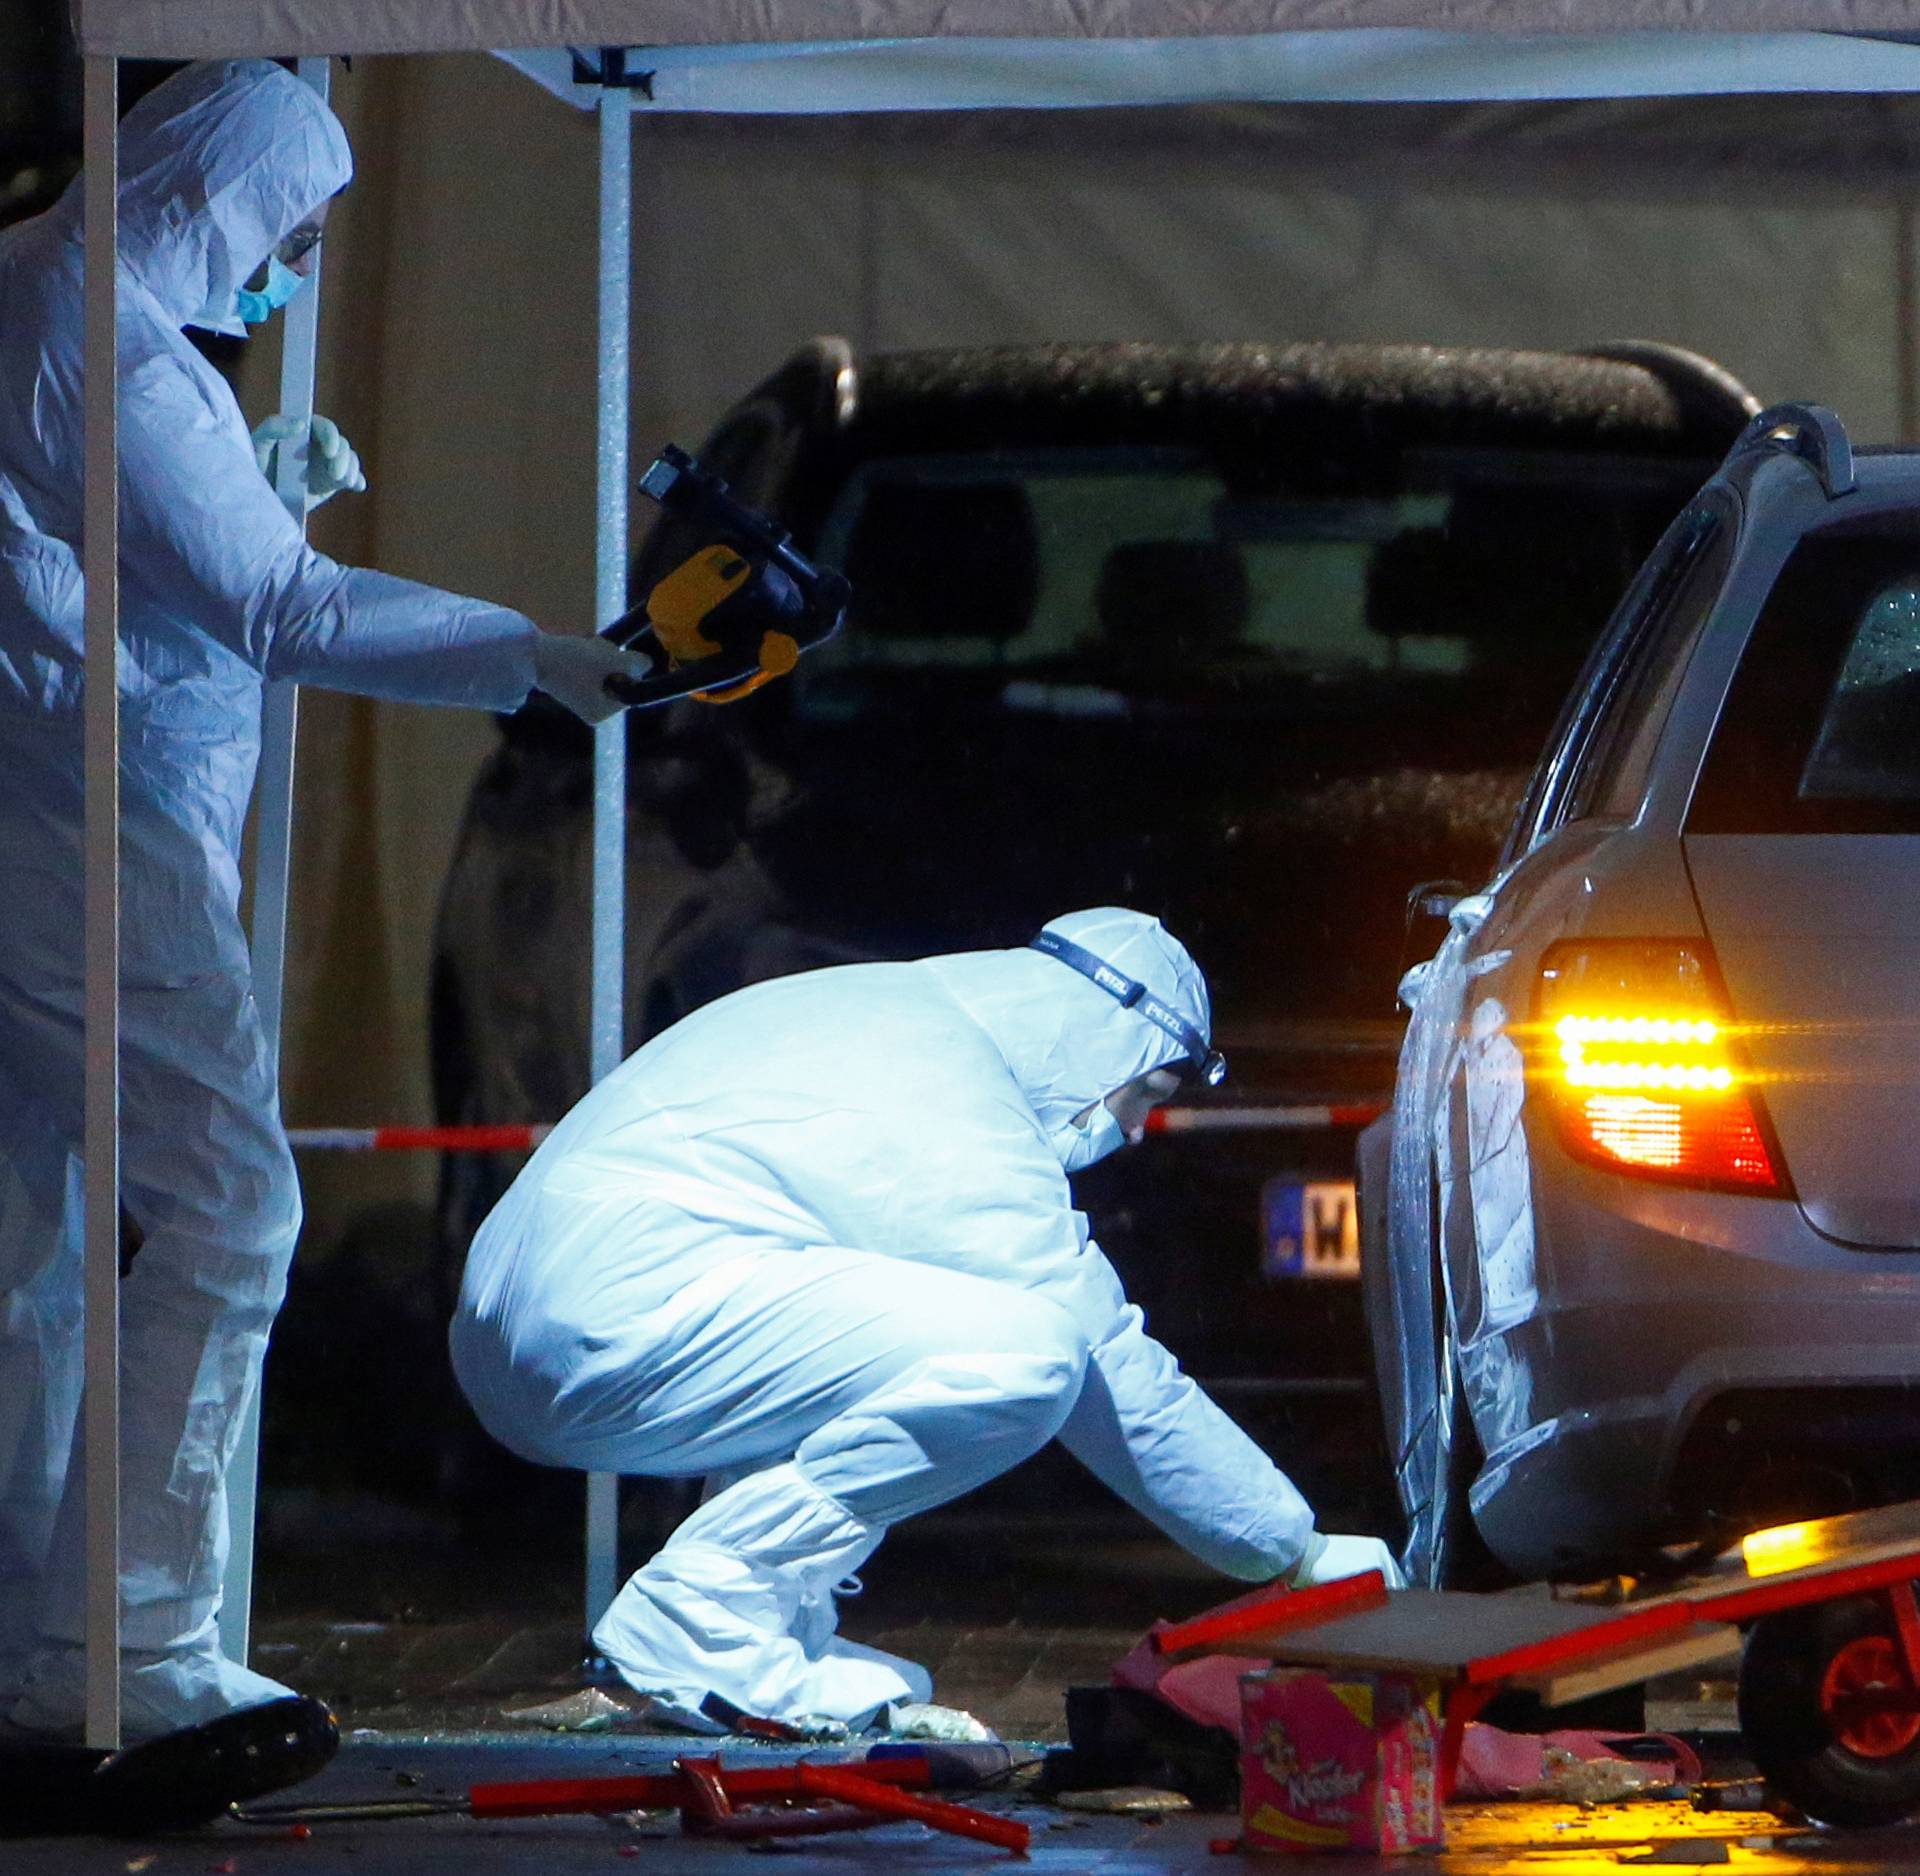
{"points": [[1083, 584], [1821, 732]]}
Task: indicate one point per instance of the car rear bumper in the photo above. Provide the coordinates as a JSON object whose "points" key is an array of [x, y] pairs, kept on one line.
{"points": [[1695, 1364]]}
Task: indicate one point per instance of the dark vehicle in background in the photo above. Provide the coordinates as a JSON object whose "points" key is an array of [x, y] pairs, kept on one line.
{"points": [[1252, 638], [40, 106]]}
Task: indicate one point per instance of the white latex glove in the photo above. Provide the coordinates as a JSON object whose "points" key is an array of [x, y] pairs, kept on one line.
{"points": [[574, 670], [332, 464], [921, 1719], [1328, 1557]]}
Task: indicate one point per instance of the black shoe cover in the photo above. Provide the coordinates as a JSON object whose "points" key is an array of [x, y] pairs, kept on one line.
{"points": [[175, 1782]]}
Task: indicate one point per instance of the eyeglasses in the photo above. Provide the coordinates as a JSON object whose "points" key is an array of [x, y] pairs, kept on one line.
{"points": [[296, 246], [1207, 1064]]}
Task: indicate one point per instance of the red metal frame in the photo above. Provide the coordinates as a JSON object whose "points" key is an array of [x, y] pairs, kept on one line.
{"points": [[1906, 1630], [796, 1800], [1283, 1610], [709, 1810], [1795, 1592], [658, 1791], [887, 1802], [1656, 1623], [1464, 1704]]}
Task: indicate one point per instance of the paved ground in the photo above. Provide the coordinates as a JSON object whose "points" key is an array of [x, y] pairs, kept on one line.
{"points": [[1008, 1610], [422, 1633], [1539, 1839], [424, 1678], [1006, 1607]]}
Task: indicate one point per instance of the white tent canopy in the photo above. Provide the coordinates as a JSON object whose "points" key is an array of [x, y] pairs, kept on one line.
{"points": [[793, 56], [205, 28], [1389, 65]]}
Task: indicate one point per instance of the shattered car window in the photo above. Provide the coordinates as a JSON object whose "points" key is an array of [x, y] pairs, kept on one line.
{"points": [[1869, 743], [1821, 732]]}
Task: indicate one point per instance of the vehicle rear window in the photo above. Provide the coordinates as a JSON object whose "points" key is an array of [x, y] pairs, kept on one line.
{"points": [[1118, 583], [1821, 733]]}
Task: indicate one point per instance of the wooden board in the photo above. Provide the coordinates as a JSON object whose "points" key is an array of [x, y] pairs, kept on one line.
{"points": [[1697, 1648], [1437, 1631]]}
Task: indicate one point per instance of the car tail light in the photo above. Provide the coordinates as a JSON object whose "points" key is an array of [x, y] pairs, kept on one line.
{"points": [[1645, 1072]]}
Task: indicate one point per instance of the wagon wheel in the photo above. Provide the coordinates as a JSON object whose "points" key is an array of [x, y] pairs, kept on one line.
{"points": [[1828, 1714]]}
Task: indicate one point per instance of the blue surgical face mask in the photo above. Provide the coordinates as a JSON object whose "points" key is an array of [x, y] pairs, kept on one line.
{"points": [[1082, 1146], [282, 284]]}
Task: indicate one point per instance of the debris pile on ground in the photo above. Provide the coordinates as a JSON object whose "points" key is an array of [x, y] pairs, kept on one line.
{"points": [[1126, 1801], [1574, 1780], [591, 1710]]}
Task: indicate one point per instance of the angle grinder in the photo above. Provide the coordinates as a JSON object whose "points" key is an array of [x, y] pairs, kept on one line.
{"points": [[733, 616]]}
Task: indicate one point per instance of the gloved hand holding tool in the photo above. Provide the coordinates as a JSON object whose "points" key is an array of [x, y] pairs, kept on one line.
{"points": [[731, 617], [332, 464], [582, 672]]}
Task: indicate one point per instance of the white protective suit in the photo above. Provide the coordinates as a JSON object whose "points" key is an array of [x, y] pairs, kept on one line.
{"points": [[218, 593], [819, 1233]]}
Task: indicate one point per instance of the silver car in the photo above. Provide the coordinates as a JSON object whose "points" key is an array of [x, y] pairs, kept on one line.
{"points": [[1642, 1230]]}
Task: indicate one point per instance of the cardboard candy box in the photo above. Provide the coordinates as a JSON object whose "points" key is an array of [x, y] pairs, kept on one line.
{"points": [[1346, 1761]]}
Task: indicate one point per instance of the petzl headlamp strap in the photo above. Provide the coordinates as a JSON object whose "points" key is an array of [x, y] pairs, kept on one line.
{"points": [[1133, 995]]}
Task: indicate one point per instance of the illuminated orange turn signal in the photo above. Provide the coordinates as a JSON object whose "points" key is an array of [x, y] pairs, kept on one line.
{"points": [[1643, 1074]]}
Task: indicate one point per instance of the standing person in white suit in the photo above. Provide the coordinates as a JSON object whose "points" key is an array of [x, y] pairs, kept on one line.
{"points": [[226, 171], [818, 1237]]}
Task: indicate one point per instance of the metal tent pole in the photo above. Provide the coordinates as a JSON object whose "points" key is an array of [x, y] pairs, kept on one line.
{"points": [[272, 861], [607, 1024], [101, 750]]}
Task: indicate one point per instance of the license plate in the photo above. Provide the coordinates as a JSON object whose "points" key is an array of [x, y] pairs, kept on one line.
{"points": [[1309, 1228]]}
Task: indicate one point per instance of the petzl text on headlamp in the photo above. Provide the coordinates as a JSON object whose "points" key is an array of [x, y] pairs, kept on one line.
{"points": [[732, 616], [1206, 1062]]}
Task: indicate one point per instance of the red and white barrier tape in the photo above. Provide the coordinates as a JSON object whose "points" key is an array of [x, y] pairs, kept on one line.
{"points": [[523, 1139], [509, 1139], [1261, 1119]]}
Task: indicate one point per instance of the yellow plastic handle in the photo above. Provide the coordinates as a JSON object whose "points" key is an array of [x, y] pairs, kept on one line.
{"points": [[778, 655]]}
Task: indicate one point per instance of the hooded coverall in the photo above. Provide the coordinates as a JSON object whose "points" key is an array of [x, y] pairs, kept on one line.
{"points": [[218, 594], [819, 1232]]}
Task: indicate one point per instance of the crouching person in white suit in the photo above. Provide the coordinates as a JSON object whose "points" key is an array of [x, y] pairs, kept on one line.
{"points": [[819, 1236]]}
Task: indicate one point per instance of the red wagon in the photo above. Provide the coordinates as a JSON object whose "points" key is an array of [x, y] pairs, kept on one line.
{"points": [[1822, 1616]]}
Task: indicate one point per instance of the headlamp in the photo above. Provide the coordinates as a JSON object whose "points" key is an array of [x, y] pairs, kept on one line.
{"points": [[1203, 1061]]}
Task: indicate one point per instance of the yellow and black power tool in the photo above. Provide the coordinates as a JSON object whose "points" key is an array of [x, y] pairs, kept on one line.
{"points": [[732, 617]]}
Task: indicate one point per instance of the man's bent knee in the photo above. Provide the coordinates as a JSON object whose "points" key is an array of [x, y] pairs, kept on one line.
{"points": [[1054, 1356]]}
